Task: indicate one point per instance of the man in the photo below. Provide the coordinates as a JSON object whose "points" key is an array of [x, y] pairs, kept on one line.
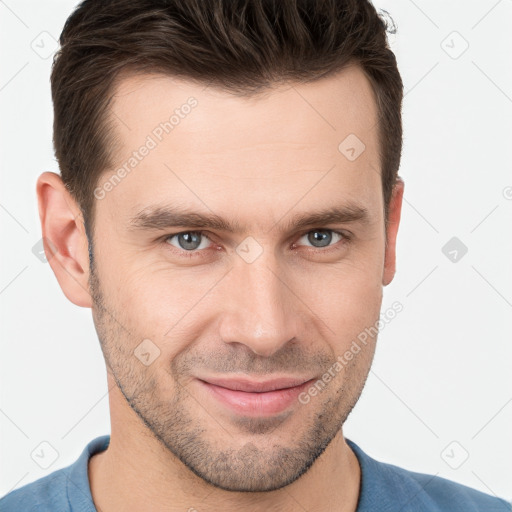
{"points": [[228, 207]]}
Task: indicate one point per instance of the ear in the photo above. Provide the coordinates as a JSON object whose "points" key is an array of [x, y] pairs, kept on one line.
{"points": [[395, 209], [64, 240]]}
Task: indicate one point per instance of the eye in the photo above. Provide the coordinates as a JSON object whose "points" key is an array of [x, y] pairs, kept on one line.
{"points": [[189, 241], [319, 238]]}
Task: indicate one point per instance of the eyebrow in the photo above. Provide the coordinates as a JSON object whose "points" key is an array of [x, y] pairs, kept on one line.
{"points": [[164, 217]]}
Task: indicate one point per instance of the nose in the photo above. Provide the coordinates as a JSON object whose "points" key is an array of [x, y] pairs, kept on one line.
{"points": [[260, 310]]}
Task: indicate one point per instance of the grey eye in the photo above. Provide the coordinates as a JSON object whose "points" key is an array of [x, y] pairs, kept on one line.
{"points": [[321, 237], [188, 240]]}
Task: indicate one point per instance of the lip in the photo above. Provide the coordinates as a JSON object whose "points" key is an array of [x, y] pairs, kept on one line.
{"points": [[249, 397]]}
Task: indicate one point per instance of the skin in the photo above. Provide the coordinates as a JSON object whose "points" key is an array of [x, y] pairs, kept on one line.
{"points": [[292, 311]]}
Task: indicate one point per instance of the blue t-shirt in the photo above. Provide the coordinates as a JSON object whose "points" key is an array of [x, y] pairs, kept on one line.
{"points": [[384, 488]]}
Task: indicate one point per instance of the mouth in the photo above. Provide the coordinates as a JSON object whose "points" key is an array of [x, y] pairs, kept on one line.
{"points": [[254, 398]]}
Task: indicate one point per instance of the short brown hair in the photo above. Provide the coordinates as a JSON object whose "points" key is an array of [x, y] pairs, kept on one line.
{"points": [[243, 46]]}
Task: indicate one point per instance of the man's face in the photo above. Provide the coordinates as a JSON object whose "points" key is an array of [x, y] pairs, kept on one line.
{"points": [[264, 301]]}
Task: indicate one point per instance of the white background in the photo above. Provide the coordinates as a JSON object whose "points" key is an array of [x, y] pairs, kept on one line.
{"points": [[440, 383]]}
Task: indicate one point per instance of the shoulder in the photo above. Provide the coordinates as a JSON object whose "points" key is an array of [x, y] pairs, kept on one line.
{"points": [[449, 495], [64, 490], [44, 495], [387, 486]]}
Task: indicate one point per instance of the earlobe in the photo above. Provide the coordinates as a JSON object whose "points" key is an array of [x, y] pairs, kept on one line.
{"points": [[64, 238], [395, 209]]}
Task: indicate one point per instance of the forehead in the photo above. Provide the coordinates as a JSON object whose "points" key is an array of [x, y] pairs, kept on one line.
{"points": [[180, 141]]}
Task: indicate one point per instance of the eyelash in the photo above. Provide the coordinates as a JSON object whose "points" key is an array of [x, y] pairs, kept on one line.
{"points": [[345, 238]]}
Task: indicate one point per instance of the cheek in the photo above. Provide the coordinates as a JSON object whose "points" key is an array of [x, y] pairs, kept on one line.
{"points": [[167, 307], [168, 294], [349, 306], [346, 297]]}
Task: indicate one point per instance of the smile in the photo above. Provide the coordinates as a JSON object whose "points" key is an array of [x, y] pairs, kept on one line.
{"points": [[255, 398]]}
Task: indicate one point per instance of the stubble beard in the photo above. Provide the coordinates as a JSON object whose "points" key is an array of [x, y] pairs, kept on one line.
{"points": [[260, 465]]}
